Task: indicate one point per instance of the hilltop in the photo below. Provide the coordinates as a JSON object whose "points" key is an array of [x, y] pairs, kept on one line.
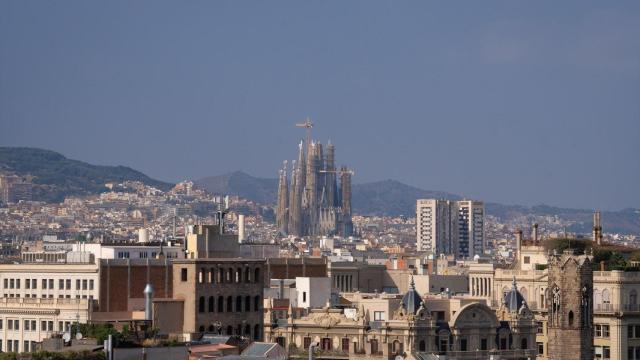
{"points": [[56, 176]]}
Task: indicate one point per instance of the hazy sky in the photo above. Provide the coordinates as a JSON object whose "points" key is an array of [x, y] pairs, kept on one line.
{"points": [[509, 101]]}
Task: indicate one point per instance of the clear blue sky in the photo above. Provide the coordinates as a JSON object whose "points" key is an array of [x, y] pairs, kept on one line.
{"points": [[520, 102]]}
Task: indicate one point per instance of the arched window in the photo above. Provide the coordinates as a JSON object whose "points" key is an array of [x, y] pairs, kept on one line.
{"points": [[633, 297], [220, 304], [256, 303], [212, 305], [570, 318], [238, 275], [210, 328], [256, 332], [201, 276], [239, 329], [523, 344], [201, 304], [212, 275], [229, 275], [247, 331], [422, 346], [397, 347], [247, 275], [247, 303], [201, 328], [220, 275], [605, 297], [238, 303], [229, 305], [229, 330], [256, 275]]}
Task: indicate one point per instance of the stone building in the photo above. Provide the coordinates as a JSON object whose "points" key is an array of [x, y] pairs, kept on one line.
{"points": [[570, 306], [384, 326], [222, 296]]}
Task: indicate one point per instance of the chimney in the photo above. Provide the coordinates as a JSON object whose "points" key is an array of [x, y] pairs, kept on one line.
{"points": [[148, 304], [518, 242], [602, 265], [534, 233], [597, 229], [240, 228]]}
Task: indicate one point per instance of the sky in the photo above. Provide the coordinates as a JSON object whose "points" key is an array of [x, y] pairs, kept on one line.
{"points": [[518, 102]]}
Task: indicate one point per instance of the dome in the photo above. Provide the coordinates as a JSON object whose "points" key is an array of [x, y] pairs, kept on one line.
{"points": [[411, 301], [513, 300]]}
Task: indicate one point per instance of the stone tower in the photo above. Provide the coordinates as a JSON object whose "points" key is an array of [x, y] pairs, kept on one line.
{"points": [[570, 306]]}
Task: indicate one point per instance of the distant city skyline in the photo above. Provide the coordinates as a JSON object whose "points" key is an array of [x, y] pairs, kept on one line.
{"points": [[516, 103]]}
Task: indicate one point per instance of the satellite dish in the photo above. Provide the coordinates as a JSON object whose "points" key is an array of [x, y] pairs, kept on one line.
{"points": [[78, 335], [66, 337]]}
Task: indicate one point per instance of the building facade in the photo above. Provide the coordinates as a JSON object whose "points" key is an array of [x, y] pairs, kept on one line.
{"points": [[220, 295], [450, 227]]}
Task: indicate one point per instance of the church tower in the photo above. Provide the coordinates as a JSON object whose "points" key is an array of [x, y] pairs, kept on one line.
{"points": [[570, 306]]}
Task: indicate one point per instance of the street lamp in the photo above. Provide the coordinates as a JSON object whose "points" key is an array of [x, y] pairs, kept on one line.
{"points": [[312, 346]]}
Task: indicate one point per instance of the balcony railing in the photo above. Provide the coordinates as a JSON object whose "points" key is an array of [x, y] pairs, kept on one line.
{"points": [[611, 308]]}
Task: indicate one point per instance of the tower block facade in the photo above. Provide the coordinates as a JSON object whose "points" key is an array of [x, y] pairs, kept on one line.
{"points": [[570, 307]]}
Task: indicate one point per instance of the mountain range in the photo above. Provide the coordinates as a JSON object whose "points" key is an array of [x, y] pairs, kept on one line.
{"points": [[55, 177], [394, 198]]}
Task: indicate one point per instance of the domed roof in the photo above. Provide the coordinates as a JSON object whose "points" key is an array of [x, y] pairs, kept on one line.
{"points": [[411, 301], [513, 300]]}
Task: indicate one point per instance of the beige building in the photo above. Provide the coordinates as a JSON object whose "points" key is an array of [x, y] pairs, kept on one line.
{"points": [[616, 311], [384, 326], [42, 298], [218, 295]]}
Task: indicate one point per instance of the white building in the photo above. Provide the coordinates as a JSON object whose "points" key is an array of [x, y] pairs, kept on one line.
{"points": [[313, 292], [130, 251], [450, 227], [38, 299]]}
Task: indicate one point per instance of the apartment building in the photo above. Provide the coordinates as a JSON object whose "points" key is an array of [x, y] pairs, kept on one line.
{"points": [[450, 227], [40, 298]]}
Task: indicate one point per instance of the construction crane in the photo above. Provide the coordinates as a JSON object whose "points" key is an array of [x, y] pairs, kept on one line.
{"points": [[338, 171], [307, 124]]}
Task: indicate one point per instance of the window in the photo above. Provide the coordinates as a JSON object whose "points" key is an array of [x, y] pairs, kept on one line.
{"points": [[256, 303], [77, 284], [17, 283], [68, 284], [239, 303], [344, 344], [422, 346], [84, 284], [540, 325], [44, 283], [601, 330], [90, 284], [211, 304], [220, 304], [540, 348], [523, 344], [483, 344], [372, 342], [378, 316], [27, 284], [34, 283], [50, 325], [201, 304], [304, 296], [12, 283], [229, 305], [51, 284], [183, 274], [463, 344], [280, 341], [570, 318], [325, 344], [527, 260], [306, 342], [247, 303]]}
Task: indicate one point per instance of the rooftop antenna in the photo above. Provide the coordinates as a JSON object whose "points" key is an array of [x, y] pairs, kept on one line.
{"points": [[307, 124]]}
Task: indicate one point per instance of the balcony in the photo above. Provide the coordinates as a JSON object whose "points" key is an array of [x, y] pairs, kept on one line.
{"points": [[481, 354], [611, 308]]}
